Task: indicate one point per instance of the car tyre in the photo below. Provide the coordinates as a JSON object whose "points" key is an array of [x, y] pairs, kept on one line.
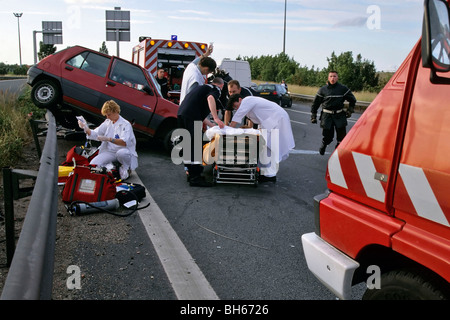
{"points": [[168, 142], [45, 94], [406, 285]]}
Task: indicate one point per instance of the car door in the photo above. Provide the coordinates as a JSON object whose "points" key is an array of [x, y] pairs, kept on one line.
{"points": [[129, 87], [83, 78]]}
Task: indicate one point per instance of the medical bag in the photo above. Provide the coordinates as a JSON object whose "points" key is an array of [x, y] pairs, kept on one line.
{"points": [[130, 191], [80, 155], [89, 184]]}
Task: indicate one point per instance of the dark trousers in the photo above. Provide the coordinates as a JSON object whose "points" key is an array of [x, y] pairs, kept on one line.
{"points": [[328, 134], [194, 169]]}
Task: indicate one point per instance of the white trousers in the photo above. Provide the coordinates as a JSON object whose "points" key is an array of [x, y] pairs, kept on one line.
{"points": [[106, 157]]}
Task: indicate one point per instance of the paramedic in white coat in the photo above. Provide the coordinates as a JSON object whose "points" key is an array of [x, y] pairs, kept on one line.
{"points": [[196, 72], [118, 140], [275, 126]]}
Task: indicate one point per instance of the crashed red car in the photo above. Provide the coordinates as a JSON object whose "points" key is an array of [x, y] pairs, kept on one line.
{"points": [[78, 80]]}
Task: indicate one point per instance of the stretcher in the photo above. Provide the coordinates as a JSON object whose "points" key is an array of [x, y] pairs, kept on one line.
{"points": [[234, 154]]}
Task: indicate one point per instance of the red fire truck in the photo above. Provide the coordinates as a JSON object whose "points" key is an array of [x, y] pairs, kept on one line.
{"points": [[386, 212], [172, 55]]}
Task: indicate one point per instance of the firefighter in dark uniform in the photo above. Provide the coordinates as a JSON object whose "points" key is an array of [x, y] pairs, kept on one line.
{"points": [[333, 116], [196, 106]]}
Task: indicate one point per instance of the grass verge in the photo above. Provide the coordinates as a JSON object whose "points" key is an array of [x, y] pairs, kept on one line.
{"points": [[15, 129]]}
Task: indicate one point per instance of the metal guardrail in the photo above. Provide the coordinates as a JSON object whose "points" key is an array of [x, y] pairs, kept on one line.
{"points": [[30, 276], [361, 105]]}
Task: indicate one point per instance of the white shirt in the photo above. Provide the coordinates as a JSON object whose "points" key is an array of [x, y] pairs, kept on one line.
{"points": [[191, 78], [121, 129], [268, 115]]}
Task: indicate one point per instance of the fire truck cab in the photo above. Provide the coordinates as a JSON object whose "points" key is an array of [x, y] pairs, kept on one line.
{"points": [[385, 218], [172, 55]]}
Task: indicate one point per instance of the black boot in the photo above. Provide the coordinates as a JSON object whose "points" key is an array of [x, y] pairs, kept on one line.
{"points": [[199, 181], [322, 149]]}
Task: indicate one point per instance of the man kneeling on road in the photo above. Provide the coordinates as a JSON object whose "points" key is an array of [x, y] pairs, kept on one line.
{"points": [[276, 129]]}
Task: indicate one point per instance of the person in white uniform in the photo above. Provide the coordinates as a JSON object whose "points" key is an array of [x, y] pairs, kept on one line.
{"points": [[196, 72], [118, 140], [275, 126]]}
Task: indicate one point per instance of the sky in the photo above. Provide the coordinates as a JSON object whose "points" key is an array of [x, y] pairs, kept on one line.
{"points": [[382, 31]]}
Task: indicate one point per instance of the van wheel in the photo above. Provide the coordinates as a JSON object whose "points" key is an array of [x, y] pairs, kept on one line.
{"points": [[45, 94], [406, 285]]}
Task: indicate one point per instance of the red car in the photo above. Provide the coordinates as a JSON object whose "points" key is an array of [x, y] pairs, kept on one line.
{"points": [[77, 81]]}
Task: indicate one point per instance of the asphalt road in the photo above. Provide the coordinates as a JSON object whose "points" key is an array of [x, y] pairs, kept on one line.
{"points": [[228, 242], [247, 240], [12, 86]]}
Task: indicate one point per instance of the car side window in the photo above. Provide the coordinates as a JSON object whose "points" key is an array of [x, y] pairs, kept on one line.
{"points": [[90, 62], [128, 74]]}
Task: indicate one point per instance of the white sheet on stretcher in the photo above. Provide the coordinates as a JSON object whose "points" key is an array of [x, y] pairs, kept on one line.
{"points": [[211, 132]]}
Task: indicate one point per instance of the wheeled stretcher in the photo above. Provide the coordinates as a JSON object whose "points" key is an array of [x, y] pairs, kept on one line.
{"points": [[234, 154]]}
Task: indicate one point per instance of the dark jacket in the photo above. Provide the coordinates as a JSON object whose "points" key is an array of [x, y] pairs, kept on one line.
{"points": [[195, 105], [332, 98]]}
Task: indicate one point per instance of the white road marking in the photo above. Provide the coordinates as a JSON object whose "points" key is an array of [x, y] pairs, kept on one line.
{"points": [[294, 151], [298, 122], [185, 276]]}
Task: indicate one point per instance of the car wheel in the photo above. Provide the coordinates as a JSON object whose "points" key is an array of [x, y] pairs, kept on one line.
{"points": [[170, 142], [45, 94], [405, 285]]}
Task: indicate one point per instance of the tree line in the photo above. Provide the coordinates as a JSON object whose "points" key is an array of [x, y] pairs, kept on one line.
{"points": [[358, 74]]}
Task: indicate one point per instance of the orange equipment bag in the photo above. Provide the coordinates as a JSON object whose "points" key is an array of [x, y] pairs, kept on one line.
{"points": [[89, 184]]}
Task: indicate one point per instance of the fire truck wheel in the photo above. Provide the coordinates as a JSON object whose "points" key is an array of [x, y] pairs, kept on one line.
{"points": [[406, 285]]}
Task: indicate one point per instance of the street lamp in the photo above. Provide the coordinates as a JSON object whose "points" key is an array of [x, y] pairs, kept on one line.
{"points": [[18, 15], [284, 36]]}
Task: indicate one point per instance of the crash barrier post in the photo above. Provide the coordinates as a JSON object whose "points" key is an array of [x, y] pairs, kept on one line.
{"points": [[13, 191], [35, 130], [30, 276]]}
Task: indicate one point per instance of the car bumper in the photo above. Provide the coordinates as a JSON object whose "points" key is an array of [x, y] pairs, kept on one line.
{"points": [[332, 267], [32, 74]]}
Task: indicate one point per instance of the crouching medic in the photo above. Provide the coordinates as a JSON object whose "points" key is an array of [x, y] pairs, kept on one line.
{"points": [[118, 140]]}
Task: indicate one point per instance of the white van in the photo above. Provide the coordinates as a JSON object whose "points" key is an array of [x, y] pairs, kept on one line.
{"points": [[238, 70]]}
